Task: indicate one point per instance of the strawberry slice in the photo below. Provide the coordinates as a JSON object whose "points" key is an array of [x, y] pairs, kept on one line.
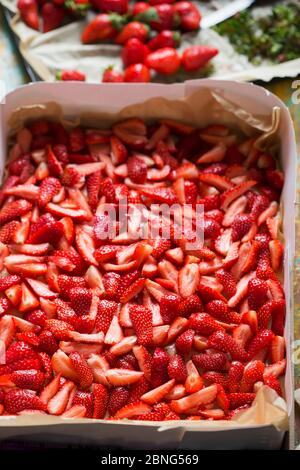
{"points": [[240, 399], [277, 349], [202, 397], [54, 165], [50, 390], [141, 318], [242, 334], [41, 289], [58, 403], [26, 191], [188, 280], [59, 211], [144, 359], [223, 242], [155, 289], [7, 331], [276, 252], [34, 250], [220, 182], [236, 207], [155, 395], [132, 410], [223, 342], [14, 209], [82, 369], [276, 369], [29, 379], [16, 400], [62, 364], [234, 192], [260, 341], [134, 289], [45, 230], [158, 195], [177, 368], [211, 361], [48, 189], [28, 299], [119, 377], [85, 246], [132, 132], [9, 281], [216, 154], [114, 333], [241, 289]]}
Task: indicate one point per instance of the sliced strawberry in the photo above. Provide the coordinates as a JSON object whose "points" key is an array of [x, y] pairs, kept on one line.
{"points": [[59, 402], [223, 342], [211, 361], [240, 399], [82, 369], [160, 195], [241, 290], [203, 323], [141, 318], [184, 342], [132, 410], [134, 289], [241, 225], [9, 281], [54, 165], [177, 368], [227, 280], [7, 232], [188, 280], [47, 229], [121, 377], [18, 400], [262, 340], [144, 360], [60, 329], [253, 373], [202, 397], [220, 182], [276, 369], [276, 252], [48, 189], [234, 192], [14, 209], [273, 383], [257, 293], [155, 395], [28, 379]]}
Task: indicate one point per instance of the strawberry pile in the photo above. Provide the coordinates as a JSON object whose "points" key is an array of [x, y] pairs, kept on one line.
{"points": [[149, 34], [114, 327], [47, 15]]}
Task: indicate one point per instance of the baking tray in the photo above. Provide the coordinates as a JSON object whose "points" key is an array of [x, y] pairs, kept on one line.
{"points": [[176, 435]]}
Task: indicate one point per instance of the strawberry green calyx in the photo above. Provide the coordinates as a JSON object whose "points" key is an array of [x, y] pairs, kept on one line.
{"points": [[79, 8], [176, 38], [147, 16], [58, 76], [117, 21], [176, 21]]}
